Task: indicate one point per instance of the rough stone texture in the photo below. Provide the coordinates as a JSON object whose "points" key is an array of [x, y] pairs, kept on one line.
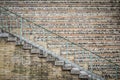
{"points": [[19, 64]]}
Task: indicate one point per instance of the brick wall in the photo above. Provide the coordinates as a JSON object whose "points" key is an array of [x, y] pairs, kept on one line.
{"points": [[93, 24]]}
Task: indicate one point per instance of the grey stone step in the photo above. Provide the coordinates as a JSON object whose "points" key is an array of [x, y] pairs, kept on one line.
{"points": [[59, 63], [50, 58], [67, 67], [19, 43], [34, 51], [75, 71], [42, 55], [27, 46], [83, 74], [12, 39], [4, 35]]}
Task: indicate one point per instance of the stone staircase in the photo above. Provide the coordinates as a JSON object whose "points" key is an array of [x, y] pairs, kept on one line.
{"points": [[17, 63], [66, 53], [9, 38]]}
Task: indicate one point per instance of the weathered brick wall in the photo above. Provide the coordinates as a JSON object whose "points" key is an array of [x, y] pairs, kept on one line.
{"points": [[19, 64], [93, 24]]}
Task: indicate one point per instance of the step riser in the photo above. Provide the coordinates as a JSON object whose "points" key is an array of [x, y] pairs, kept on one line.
{"points": [[27, 47], [75, 71], [35, 51], [59, 63], [19, 43], [12, 39], [4, 35], [42, 55], [49, 59], [67, 67]]}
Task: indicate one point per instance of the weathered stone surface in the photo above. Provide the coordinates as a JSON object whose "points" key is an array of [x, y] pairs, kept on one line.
{"points": [[83, 74], [59, 63], [50, 58], [34, 51], [3, 35], [19, 43], [75, 71], [67, 67], [27, 46], [12, 39]]}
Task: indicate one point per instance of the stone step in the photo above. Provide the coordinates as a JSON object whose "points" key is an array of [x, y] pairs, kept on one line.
{"points": [[83, 75], [11, 39], [4, 35], [42, 55], [67, 67], [50, 58], [19, 43], [27, 46], [59, 63], [35, 51], [75, 71]]}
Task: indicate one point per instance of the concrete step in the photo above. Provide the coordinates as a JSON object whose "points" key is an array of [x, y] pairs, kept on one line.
{"points": [[12, 39], [35, 51], [83, 75], [42, 54], [4, 35], [59, 63], [27, 46], [75, 71], [50, 58], [19, 43], [67, 67]]}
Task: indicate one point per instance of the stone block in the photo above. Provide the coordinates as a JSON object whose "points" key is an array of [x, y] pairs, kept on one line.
{"points": [[12, 39], [59, 63], [67, 67], [4, 35], [34, 51], [75, 71], [27, 46]]}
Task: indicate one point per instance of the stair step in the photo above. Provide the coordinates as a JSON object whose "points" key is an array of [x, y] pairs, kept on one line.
{"points": [[75, 71], [67, 67], [50, 58], [12, 39], [34, 51], [42, 55], [83, 74], [27, 46], [4, 35], [59, 63], [19, 43]]}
